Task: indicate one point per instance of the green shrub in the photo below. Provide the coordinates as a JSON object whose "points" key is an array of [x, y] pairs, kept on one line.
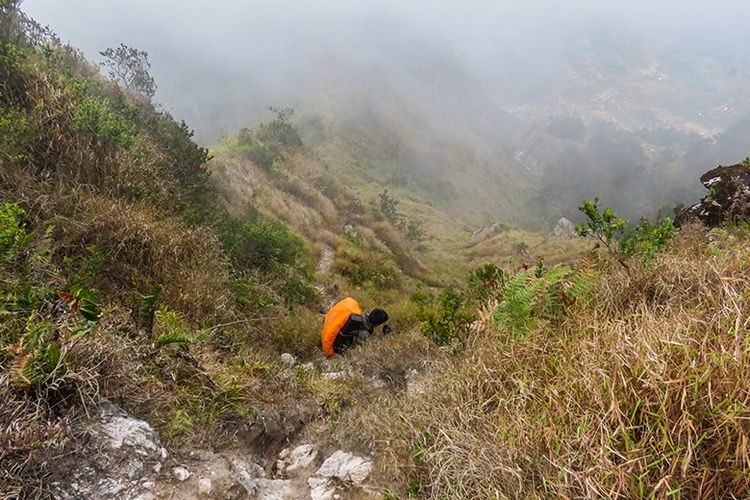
{"points": [[258, 153], [486, 282], [609, 229], [14, 129], [281, 130], [13, 80], [605, 226], [449, 320], [362, 267], [108, 128], [296, 290], [264, 244], [647, 239], [13, 235], [250, 297], [388, 206]]}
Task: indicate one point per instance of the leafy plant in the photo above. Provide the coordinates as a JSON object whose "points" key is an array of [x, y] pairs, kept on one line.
{"points": [[147, 307], [412, 229], [486, 282], [647, 239], [96, 117], [13, 235], [281, 130], [363, 266], [265, 244], [450, 320], [388, 205], [180, 425], [171, 328], [529, 298], [39, 361], [247, 295], [605, 226], [84, 301]]}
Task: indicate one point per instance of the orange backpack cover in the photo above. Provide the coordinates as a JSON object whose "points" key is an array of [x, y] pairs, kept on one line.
{"points": [[335, 320]]}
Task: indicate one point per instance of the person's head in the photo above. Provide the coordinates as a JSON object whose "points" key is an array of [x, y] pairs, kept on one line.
{"points": [[377, 317]]}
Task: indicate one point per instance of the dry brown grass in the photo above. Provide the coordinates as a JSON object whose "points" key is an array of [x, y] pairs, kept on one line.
{"points": [[146, 249], [642, 391]]}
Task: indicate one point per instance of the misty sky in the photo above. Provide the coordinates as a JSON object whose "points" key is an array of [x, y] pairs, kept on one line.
{"points": [[260, 53]]}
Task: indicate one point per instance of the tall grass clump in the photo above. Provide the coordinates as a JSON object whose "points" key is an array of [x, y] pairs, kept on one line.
{"points": [[639, 390]]}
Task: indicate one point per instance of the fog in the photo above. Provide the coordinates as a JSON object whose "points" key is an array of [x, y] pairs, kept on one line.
{"points": [[504, 77]]}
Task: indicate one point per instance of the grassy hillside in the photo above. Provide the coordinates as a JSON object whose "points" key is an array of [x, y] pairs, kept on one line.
{"points": [[636, 389], [137, 266], [124, 273]]}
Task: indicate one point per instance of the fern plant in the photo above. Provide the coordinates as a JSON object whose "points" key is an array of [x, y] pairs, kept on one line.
{"points": [[171, 328], [39, 360], [13, 235], [531, 297]]}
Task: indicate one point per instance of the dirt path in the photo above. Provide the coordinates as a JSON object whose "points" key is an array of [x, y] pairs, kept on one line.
{"points": [[326, 288]]}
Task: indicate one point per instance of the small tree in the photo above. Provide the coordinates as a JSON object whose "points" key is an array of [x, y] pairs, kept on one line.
{"points": [[605, 226], [281, 131], [130, 67], [644, 239], [388, 205]]}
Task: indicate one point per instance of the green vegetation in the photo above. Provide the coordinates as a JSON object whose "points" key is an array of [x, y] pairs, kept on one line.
{"points": [[448, 320], [134, 266], [272, 142], [366, 267], [645, 239], [122, 272], [13, 236], [486, 282]]}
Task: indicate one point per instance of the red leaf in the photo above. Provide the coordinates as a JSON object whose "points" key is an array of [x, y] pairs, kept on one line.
{"points": [[72, 301]]}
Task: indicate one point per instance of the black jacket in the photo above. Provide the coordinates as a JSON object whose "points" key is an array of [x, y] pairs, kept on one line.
{"points": [[354, 327]]}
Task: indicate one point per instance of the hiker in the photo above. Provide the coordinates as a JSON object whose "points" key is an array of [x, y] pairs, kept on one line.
{"points": [[346, 324]]}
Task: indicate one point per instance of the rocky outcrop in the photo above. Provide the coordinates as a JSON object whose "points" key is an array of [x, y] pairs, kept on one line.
{"points": [[293, 462], [341, 469], [122, 458], [563, 229], [488, 230], [728, 196]]}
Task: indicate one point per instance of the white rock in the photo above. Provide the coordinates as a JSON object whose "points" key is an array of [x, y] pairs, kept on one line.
{"points": [[148, 485], [157, 467], [181, 473], [321, 488], [274, 489], [333, 375], [564, 229], [288, 359], [345, 467], [121, 457], [308, 367], [205, 486], [291, 462], [135, 470]]}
